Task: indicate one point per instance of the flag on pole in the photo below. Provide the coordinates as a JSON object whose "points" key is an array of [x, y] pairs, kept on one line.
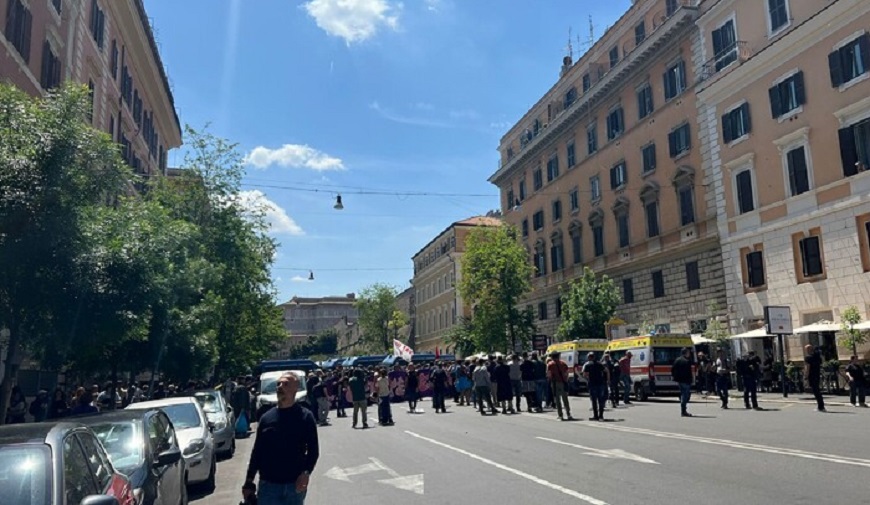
{"points": [[402, 350], [437, 353]]}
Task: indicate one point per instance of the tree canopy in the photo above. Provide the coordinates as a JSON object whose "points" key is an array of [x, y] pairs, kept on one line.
{"points": [[377, 317], [587, 305]]}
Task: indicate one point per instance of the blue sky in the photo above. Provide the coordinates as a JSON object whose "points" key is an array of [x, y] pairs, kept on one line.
{"points": [[348, 96]]}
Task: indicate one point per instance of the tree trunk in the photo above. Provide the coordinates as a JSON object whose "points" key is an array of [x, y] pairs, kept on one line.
{"points": [[10, 375]]}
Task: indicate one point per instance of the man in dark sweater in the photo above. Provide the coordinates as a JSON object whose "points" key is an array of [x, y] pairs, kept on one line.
{"points": [[684, 377], [285, 450], [813, 361]]}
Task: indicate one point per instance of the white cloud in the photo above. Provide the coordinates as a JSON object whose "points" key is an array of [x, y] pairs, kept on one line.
{"points": [[433, 5], [299, 278], [293, 156], [279, 222], [353, 20]]}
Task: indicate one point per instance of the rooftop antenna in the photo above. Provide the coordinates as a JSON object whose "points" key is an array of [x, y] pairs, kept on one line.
{"points": [[570, 48], [591, 31]]}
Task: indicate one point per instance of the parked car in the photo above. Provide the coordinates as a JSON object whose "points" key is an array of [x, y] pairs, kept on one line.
{"points": [[194, 434], [54, 463], [268, 394], [142, 445], [221, 415]]}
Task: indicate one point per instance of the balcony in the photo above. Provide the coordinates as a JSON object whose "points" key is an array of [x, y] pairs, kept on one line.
{"points": [[665, 29], [738, 52]]}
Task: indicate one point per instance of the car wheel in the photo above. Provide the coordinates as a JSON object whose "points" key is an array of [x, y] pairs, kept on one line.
{"points": [[640, 393]]}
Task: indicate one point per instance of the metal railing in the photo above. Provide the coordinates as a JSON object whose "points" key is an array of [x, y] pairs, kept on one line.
{"points": [[716, 64]]}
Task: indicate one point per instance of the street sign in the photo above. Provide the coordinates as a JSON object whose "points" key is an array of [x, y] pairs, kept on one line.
{"points": [[539, 343], [778, 320]]}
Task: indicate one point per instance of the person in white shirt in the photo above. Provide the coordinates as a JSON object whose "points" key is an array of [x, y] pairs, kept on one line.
{"points": [[385, 414], [723, 377]]}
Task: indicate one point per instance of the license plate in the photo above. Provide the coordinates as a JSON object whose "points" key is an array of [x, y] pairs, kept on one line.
{"points": [[663, 377]]}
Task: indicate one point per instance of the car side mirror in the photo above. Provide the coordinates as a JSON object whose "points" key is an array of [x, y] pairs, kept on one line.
{"points": [[99, 499], [168, 457]]}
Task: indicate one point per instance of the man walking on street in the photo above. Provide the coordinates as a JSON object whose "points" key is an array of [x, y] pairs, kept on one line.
{"points": [[541, 386], [482, 387], [285, 450], [813, 361], [625, 376], [749, 367], [358, 393], [527, 372], [683, 376], [385, 414], [857, 383], [723, 377], [439, 388], [597, 378], [557, 373]]}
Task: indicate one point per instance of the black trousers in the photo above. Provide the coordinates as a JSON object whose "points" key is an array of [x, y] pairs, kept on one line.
{"points": [[816, 388]]}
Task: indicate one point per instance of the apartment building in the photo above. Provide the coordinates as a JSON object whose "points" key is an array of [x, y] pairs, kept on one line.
{"points": [[108, 46], [605, 171], [785, 110], [437, 270], [304, 317], [406, 303]]}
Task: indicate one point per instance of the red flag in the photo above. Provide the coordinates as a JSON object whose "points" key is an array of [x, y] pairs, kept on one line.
{"points": [[437, 354]]}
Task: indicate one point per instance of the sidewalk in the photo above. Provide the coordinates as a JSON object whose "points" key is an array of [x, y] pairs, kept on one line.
{"points": [[805, 397]]}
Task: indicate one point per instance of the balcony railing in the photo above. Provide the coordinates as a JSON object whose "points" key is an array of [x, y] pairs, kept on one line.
{"points": [[635, 53], [737, 52]]}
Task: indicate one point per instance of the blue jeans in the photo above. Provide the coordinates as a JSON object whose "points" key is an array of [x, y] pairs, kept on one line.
{"points": [[626, 383], [384, 412], [685, 394], [598, 396], [270, 493], [542, 389], [722, 388]]}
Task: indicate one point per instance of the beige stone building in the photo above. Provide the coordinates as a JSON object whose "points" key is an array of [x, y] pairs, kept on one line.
{"points": [[784, 110], [605, 171], [437, 269], [406, 303], [108, 46]]}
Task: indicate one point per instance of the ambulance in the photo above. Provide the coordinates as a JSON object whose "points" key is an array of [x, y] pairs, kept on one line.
{"points": [[651, 359], [573, 353]]}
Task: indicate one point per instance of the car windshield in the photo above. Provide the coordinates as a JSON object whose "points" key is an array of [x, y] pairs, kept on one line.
{"points": [[209, 402], [123, 442], [25, 475], [183, 415], [269, 385]]}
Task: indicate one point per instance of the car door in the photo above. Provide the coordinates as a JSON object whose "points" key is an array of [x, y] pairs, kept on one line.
{"points": [[78, 481], [172, 483], [108, 480]]}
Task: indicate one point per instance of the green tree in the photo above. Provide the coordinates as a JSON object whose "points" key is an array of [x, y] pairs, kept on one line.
{"points": [[496, 274], [852, 337], [377, 307], [716, 329], [54, 167], [587, 305]]}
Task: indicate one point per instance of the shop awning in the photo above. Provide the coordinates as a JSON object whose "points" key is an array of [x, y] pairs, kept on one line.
{"points": [[701, 339], [759, 333], [863, 326], [818, 327]]}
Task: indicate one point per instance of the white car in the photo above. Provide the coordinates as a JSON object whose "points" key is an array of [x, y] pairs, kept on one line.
{"points": [[268, 395], [194, 433]]}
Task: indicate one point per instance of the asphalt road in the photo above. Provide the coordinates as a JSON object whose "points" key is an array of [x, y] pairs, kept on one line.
{"points": [[645, 454]]}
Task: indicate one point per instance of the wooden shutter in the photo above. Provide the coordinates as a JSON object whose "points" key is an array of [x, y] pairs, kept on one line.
{"points": [[672, 143], [744, 191], [755, 267], [848, 151], [25, 42], [836, 68], [797, 164], [746, 117], [717, 43], [775, 101], [864, 47], [727, 135], [800, 91]]}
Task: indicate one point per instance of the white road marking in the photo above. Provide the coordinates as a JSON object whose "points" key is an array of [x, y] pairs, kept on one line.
{"points": [[518, 473], [604, 453], [830, 458], [344, 474], [413, 483]]}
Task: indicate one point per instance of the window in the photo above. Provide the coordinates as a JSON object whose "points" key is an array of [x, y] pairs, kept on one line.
{"points": [[570, 154], [78, 481], [627, 291], [778, 11], [511, 204], [745, 199], [98, 23], [592, 138], [101, 468], [648, 153], [687, 205], [595, 188], [552, 168], [615, 123], [18, 25], [91, 94], [680, 140], [644, 101], [587, 82], [618, 176], [639, 33], [675, 80], [850, 61], [855, 148], [787, 96], [811, 256], [50, 75], [622, 228], [614, 56], [538, 179], [736, 123], [798, 175], [558, 307], [114, 59], [598, 239], [652, 218], [557, 211], [725, 45], [671, 7], [58, 5], [538, 220], [557, 253], [658, 281], [693, 278], [525, 227], [863, 223], [576, 245], [522, 189], [570, 97], [542, 311], [755, 269], [574, 198]]}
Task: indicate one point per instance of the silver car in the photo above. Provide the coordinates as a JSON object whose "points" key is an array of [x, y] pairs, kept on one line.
{"points": [[194, 433], [222, 417]]}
